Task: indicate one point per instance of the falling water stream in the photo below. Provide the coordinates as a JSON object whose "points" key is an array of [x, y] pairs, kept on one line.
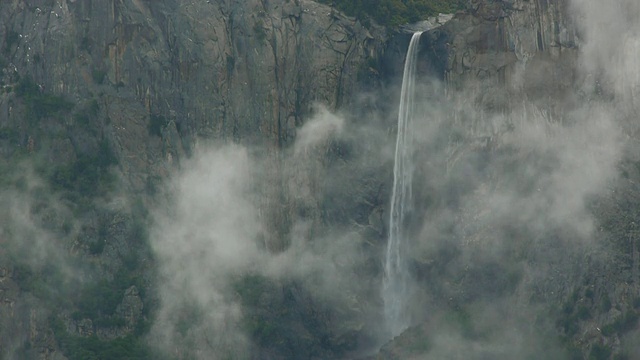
{"points": [[395, 284]]}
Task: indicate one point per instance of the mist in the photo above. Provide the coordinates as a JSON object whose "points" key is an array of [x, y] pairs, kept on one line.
{"points": [[505, 218], [39, 236], [512, 214], [211, 237]]}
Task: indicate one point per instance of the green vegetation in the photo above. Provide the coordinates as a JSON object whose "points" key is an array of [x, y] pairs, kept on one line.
{"points": [[621, 325], [275, 314], [93, 348], [44, 279], [42, 283], [368, 71], [85, 44], [153, 184], [156, 123], [231, 63], [605, 304], [39, 103], [460, 320], [138, 233], [98, 76], [572, 313], [259, 31], [89, 175], [261, 325], [10, 134], [83, 116], [395, 12], [96, 247], [599, 352], [582, 312], [98, 301], [11, 38]]}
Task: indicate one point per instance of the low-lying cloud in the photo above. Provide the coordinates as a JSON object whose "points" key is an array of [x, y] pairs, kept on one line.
{"points": [[503, 209], [211, 232]]}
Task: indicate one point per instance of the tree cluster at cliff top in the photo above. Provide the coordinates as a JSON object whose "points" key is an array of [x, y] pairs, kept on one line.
{"points": [[395, 12]]}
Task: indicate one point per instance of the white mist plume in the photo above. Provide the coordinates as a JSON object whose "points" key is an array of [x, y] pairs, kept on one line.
{"points": [[321, 127], [210, 234], [29, 216], [207, 234], [37, 232], [520, 196], [581, 157], [610, 33]]}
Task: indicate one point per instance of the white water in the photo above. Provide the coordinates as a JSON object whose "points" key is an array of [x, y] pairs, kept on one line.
{"points": [[395, 283]]}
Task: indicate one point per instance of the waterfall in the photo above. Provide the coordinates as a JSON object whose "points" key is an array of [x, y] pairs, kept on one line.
{"points": [[395, 282]]}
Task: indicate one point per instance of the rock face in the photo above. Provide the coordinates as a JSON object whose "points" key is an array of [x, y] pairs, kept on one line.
{"points": [[102, 99], [238, 70], [509, 43], [143, 83]]}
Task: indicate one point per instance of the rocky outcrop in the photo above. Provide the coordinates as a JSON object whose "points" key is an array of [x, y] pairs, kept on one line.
{"points": [[498, 50], [119, 92]]}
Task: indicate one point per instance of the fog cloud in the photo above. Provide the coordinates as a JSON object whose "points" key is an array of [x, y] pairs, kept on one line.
{"points": [[206, 235], [502, 210], [505, 199], [211, 232]]}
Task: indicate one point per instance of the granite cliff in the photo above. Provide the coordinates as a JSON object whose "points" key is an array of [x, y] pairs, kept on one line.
{"points": [[101, 101], [119, 119]]}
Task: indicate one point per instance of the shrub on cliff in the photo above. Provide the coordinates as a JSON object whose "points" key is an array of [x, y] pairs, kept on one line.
{"points": [[395, 12]]}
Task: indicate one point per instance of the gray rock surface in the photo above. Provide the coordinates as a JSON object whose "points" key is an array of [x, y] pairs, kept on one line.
{"points": [[153, 81]]}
